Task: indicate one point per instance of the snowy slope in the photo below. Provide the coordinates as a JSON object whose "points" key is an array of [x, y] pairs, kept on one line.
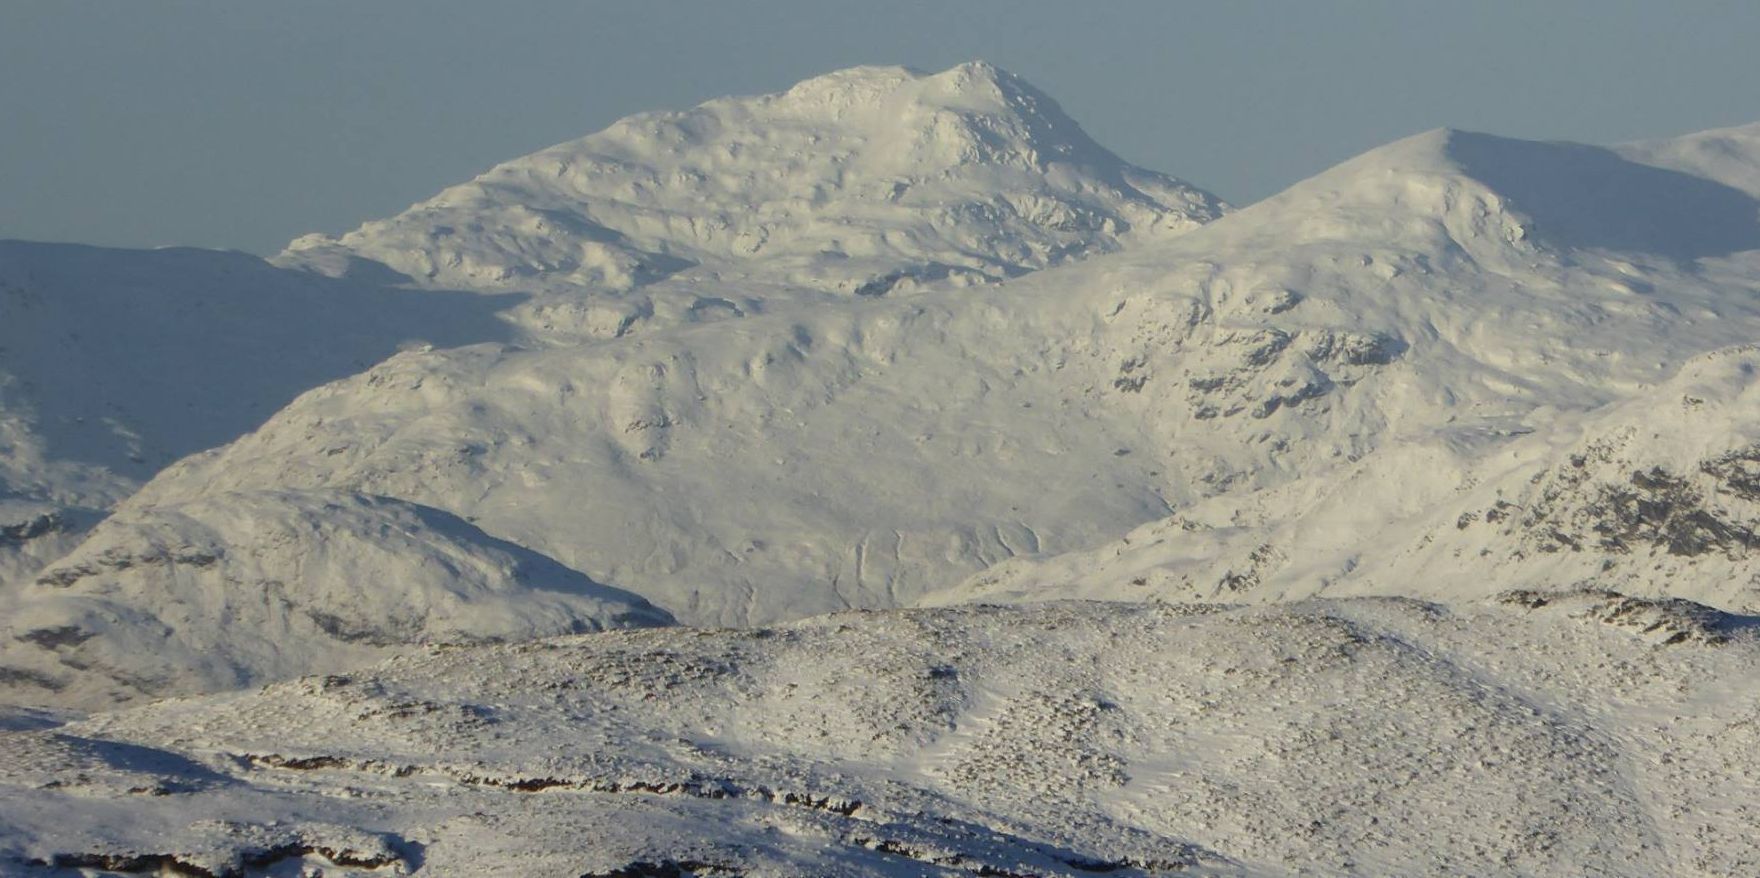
{"points": [[229, 591], [1658, 496], [1654, 496], [113, 363], [1507, 367], [118, 362], [1590, 734], [875, 452], [1725, 155], [862, 181]]}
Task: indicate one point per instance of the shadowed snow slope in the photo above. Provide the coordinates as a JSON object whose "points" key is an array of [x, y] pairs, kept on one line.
{"points": [[1725, 155], [855, 182], [229, 591], [1592, 198], [1583, 734], [113, 363]]}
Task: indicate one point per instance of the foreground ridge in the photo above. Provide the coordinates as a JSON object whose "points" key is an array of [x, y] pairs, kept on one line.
{"points": [[1543, 735]]}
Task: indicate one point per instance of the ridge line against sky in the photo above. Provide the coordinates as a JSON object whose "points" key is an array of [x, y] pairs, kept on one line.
{"points": [[215, 124]]}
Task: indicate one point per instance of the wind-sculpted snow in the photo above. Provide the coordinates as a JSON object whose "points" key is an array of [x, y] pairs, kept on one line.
{"points": [[860, 182], [230, 591], [1367, 737]]}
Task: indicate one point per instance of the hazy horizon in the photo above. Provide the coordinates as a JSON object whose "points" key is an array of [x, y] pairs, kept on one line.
{"points": [[209, 124]]}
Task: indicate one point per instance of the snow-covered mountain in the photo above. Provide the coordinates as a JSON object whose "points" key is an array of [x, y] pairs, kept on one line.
{"points": [[114, 363], [226, 591], [978, 359], [859, 182], [1563, 736], [1654, 496], [1339, 357], [1552, 360], [872, 453]]}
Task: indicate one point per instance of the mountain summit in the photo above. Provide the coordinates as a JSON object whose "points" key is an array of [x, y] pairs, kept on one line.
{"points": [[853, 182]]}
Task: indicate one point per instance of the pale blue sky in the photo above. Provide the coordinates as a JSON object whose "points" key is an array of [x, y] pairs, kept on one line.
{"points": [[242, 124]]}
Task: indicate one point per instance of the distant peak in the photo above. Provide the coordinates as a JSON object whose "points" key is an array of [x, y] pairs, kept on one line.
{"points": [[1550, 193], [862, 172]]}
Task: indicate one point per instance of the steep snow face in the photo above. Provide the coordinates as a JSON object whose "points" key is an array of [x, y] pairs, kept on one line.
{"points": [[860, 181], [1586, 734], [229, 591]]}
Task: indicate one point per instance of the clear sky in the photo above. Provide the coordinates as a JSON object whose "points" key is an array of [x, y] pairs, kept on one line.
{"points": [[244, 123]]}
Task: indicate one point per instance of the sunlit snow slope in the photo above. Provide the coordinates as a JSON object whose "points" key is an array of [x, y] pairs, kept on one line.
{"points": [[1585, 734], [1572, 321], [859, 182]]}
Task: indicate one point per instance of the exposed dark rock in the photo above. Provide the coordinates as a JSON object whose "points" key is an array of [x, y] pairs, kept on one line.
{"points": [[1130, 383], [23, 677], [31, 528], [255, 862], [1657, 508], [116, 562], [1738, 471], [666, 869], [1670, 621], [57, 637]]}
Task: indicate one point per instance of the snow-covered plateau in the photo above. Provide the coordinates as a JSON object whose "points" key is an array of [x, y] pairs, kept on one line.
{"points": [[883, 478]]}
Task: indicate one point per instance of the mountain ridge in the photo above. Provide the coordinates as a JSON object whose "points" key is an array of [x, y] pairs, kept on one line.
{"points": [[968, 175]]}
